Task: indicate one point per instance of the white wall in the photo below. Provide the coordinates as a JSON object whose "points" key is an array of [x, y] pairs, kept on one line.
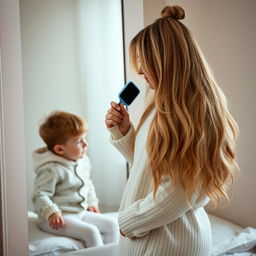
{"points": [[12, 158], [72, 61], [225, 30]]}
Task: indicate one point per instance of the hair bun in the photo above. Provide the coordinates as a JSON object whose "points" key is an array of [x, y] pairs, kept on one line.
{"points": [[175, 12]]}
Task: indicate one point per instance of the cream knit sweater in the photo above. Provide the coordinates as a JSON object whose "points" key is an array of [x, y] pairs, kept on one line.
{"points": [[161, 227]]}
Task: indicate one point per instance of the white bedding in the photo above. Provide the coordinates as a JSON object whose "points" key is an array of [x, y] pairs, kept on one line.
{"points": [[230, 239], [227, 239], [45, 244]]}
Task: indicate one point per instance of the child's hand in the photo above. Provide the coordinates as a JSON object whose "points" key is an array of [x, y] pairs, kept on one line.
{"points": [[93, 209], [56, 220], [117, 115]]}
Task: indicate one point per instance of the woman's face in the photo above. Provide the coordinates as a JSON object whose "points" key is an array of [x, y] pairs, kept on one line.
{"points": [[140, 70], [143, 73]]}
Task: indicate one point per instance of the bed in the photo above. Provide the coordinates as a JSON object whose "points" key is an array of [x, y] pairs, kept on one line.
{"points": [[227, 239], [45, 244]]}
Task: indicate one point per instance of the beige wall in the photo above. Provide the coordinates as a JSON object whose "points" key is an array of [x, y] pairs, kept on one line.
{"points": [[225, 30], [152, 10]]}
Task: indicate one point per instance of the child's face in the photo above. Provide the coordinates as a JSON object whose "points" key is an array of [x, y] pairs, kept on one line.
{"points": [[75, 147]]}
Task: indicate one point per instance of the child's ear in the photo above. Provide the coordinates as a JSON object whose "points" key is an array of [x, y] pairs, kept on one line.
{"points": [[58, 149]]}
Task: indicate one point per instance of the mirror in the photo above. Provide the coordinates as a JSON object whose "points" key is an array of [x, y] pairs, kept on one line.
{"points": [[72, 59]]}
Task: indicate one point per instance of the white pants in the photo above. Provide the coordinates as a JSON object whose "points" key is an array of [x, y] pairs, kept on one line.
{"points": [[88, 227]]}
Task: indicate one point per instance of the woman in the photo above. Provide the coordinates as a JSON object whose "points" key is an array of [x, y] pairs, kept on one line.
{"points": [[182, 153]]}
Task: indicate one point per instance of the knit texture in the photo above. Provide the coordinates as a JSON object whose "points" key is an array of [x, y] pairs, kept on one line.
{"points": [[61, 185], [166, 225]]}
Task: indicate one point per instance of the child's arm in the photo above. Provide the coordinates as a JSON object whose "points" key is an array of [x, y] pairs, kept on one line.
{"points": [[44, 189]]}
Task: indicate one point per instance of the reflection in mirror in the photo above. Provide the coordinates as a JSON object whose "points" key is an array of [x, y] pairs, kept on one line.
{"points": [[72, 58]]}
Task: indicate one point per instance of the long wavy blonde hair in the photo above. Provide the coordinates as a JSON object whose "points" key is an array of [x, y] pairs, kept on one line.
{"points": [[192, 136]]}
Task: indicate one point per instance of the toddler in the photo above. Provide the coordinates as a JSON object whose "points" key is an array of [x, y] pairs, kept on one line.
{"points": [[64, 195]]}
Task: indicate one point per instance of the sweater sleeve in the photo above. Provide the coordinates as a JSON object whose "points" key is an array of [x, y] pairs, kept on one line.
{"points": [[123, 143], [148, 213], [44, 189]]}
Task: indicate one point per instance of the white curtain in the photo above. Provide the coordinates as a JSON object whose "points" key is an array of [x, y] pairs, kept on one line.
{"points": [[101, 69]]}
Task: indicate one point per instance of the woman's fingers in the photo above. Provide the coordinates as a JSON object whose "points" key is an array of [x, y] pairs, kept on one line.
{"points": [[110, 123], [122, 234], [113, 117], [115, 112], [117, 115], [115, 105], [119, 108], [112, 120], [123, 109]]}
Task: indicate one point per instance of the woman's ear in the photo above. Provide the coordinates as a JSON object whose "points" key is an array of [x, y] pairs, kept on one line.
{"points": [[58, 149]]}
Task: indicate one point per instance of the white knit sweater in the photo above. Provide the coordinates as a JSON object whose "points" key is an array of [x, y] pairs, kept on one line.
{"points": [[166, 226]]}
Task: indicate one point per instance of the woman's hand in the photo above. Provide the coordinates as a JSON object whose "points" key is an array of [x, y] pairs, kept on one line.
{"points": [[56, 221], [122, 234], [117, 115], [93, 209]]}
